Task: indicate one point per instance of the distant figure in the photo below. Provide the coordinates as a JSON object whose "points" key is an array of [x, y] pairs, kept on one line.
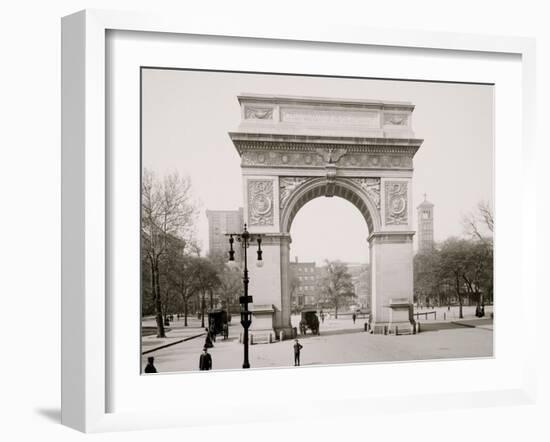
{"points": [[212, 332], [205, 361], [354, 317], [150, 368], [322, 317], [225, 331], [208, 340], [297, 348]]}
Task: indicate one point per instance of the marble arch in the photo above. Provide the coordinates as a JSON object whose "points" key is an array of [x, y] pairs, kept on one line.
{"points": [[295, 149]]}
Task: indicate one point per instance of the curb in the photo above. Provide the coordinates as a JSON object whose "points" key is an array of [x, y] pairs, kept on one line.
{"points": [[463, 325], [171, 343]]}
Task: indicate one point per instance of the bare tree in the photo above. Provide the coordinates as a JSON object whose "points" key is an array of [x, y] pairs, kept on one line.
{"points": [[207, 280], [230, 286], [452, 266], [427, 277], [181, 276], [480, 224], [336, 286], [167, 214]]}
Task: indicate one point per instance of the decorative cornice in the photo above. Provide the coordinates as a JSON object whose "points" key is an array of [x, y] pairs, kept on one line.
{"points": [[272, 238], [245, 140], [322, 157], [391, 237], [313, 101]]}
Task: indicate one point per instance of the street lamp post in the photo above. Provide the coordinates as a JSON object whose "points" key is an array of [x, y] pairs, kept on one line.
{"points": [[246, 316]]}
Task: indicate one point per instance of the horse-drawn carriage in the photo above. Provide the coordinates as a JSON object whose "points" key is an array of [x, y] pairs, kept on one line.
{"points": [[218, 322], [310, 321]]}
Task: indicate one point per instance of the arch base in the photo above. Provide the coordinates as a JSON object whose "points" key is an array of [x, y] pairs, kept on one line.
{"points": [[392, 283]]}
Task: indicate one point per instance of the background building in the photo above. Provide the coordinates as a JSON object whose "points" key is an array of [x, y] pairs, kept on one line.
{"points": [[221, 222], [425, 226], [303, 284], [360, 277]]}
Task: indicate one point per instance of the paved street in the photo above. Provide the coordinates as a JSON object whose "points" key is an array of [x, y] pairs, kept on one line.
{"points": [[340, 342]]}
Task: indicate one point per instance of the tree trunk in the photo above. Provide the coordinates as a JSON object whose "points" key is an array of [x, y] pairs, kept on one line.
{"points": [[211, 299], [460, 315], [158, 304], [185, 310], [203, 302]]}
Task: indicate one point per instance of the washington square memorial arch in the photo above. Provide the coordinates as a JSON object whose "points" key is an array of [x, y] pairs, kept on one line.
{"points": [[295, 149]]}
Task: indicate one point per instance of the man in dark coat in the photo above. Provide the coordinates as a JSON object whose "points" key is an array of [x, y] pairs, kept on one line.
{"points": [[297, 348], [205, 361], [150, 368]]}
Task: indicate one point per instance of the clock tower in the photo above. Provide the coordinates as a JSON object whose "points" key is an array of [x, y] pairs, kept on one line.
{"points": [[425, 226]]}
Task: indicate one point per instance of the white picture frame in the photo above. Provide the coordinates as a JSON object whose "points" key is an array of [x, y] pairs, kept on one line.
{"points": [[86, 210]]}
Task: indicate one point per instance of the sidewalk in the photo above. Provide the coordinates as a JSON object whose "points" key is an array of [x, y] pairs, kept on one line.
{"points": [[340, 342], [175, 332], [444, 314]]}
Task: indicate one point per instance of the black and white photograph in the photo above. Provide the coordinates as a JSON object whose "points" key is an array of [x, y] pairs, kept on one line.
{"points": [[241, 221], [292, 220]]}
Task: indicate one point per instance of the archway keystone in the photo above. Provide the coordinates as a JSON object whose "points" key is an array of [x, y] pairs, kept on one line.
{"points": [[295, 149]]}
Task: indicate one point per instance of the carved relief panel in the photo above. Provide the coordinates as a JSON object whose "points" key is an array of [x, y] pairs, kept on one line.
{"points": [[287, 185], [372, 188], [260, 202], [396, 119], [396, 203], [258, 113]]}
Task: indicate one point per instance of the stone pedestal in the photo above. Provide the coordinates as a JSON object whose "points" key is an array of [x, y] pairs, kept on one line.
{"points": [[401, 317], [261, 330]]}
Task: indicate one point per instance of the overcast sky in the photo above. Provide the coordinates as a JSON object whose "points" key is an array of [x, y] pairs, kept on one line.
{"points": [[187, 116]]}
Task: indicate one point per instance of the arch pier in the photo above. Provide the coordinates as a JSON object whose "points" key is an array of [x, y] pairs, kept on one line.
{"points": [[295, 149]]}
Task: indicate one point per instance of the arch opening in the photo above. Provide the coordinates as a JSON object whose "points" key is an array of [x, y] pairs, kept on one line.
{"points": [[341, 187], [342, 235], [320, 241]]}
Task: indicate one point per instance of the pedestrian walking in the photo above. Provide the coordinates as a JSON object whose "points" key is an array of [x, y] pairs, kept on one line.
{"points": [[205, 361], [208, 341], [354, 317], [150, 368], [225, 331], [297, 348], [213, 332]]}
